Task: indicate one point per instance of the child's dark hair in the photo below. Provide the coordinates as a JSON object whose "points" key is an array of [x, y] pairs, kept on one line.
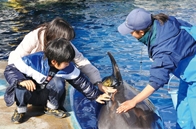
{"points": [[59, 50]]}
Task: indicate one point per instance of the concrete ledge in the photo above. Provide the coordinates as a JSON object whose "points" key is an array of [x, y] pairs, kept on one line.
{"points": [[34, 119], [3, 64]]}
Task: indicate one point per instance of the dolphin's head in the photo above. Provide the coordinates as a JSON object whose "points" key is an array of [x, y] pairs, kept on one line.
{"points": [[110, 81]]}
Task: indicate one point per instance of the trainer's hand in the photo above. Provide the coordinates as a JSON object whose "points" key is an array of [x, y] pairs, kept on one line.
{"points": [[125, 106], [129, 104], [28, 84]]}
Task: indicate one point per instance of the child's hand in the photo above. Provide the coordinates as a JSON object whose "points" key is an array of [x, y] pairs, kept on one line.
{"points": [[102, 98], [29, 84]]}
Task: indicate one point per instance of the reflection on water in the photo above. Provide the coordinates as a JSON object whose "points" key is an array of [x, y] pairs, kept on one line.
{"points": [[95, 23]]}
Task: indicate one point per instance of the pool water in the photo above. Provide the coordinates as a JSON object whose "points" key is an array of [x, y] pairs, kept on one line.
{"points": [[3, 85], [95, 23]]}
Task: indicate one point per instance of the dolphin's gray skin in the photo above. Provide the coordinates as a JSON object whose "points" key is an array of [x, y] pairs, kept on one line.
{"points": [[143, 116]]}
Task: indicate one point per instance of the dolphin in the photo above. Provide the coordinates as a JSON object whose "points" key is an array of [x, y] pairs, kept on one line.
{"points": [[143, 116]]}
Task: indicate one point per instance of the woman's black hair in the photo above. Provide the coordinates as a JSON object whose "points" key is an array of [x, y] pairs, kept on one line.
{"points": [[162, 18], [57, 28], [60, 50]]}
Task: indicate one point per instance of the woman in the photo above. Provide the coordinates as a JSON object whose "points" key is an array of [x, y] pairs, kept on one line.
{"points": [[172, 50]]}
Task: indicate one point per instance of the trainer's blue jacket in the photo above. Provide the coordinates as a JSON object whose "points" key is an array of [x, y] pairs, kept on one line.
{"points": [[167, 45], [36, 66]]}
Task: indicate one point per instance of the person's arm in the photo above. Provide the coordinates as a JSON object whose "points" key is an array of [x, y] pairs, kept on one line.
{"points": [[29, 44], [86, 67], [84, 86], [89, 70], [129, 104]]}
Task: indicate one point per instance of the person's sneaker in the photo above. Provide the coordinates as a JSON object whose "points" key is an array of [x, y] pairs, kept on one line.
{"points": [[55, 112], [17, 117]]}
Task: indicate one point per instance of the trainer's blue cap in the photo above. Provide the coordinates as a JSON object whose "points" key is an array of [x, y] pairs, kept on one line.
{"points": [[138, 19]]}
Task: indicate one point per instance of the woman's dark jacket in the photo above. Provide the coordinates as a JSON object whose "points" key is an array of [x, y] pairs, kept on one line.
{"points": [[167, 45]]}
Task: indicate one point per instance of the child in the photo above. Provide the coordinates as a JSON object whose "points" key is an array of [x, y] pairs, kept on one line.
{"points": [[29, 79], [173, 50]]}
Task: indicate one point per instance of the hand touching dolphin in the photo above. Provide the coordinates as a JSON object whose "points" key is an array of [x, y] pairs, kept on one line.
{"points": [[129, 104], [105, 97]]}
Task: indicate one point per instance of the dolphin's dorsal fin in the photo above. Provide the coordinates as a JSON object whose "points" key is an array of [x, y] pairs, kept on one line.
{"points": [[116, 71]]}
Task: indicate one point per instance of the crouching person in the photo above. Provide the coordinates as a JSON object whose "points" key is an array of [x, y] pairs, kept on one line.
{"points": [[31, 80]]}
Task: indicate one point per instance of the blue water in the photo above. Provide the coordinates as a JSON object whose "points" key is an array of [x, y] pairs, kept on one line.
{"points": [[3, 85], [95, 23]]}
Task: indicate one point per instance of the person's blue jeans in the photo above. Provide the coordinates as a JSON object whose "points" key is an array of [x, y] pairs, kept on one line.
{"points": [[53, 93]]}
